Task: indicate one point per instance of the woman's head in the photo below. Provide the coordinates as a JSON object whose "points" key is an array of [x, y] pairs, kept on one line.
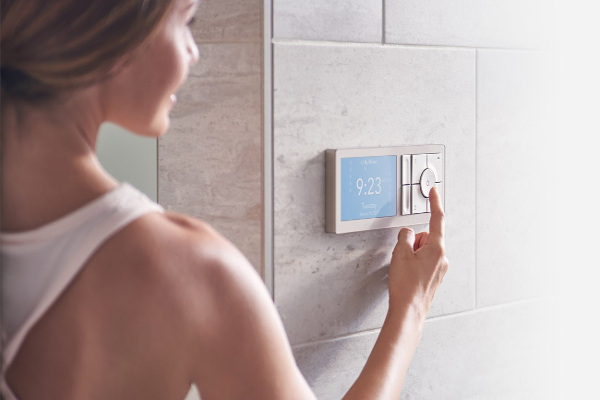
{"points": [[52, 48]]}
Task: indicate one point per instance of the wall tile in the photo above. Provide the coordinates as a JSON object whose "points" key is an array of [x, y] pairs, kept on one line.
{"points": [[228, 20], [504, 353], [339, 20], [516, 185], [475, 23], [370, 96], [210, 160]]}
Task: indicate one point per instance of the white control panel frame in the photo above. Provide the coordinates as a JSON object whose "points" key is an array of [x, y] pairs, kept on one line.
{"points": [[333, 157]]}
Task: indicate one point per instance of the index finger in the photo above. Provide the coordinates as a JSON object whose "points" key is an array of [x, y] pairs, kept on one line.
{"points": [[436, 222]]}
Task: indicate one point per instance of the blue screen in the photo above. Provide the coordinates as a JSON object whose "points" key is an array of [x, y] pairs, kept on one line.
{"points": [[368, 187]]}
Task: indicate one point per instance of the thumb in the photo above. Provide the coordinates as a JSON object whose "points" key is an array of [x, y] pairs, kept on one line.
{"points": [[406, 241]]}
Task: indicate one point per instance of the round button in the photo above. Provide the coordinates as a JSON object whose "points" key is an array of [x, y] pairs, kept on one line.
{"points": [[427, 181]]}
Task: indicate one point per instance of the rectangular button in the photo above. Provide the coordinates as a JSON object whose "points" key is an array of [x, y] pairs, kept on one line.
{"points": [[436, 163], [419, 164], [419, 203], [406, 169], [406, 200], [440, 189]]}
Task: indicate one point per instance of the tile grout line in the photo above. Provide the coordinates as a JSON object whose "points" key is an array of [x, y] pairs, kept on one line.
{"points": [[272, 144], [476, 165], [263, 97], [262, 271], [228, 41], [382, 22], [267, 151], [308, 42], [430, 319]]}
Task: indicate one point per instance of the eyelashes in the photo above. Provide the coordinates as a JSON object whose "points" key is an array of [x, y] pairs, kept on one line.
{"points": [[191, 21]]}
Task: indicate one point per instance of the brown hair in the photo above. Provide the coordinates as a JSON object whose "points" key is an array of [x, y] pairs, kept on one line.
{"points": [[49, 47]]}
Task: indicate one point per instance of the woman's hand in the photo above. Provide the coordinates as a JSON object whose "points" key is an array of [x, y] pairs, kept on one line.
{"points": [[419, 263]]}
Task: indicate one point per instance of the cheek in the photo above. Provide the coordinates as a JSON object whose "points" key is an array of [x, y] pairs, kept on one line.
{"points": [[165, 71], [173, 61], [157, 79], [140, 99]]}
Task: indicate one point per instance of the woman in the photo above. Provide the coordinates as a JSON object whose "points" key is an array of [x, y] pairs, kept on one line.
{"points": [[106, 296]]}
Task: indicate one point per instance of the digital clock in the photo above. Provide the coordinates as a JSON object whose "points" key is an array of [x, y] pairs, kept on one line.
{"points": [[369, 187]]}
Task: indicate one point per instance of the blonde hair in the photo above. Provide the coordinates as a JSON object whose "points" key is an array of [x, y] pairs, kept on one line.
{"points": [[49, 47]]}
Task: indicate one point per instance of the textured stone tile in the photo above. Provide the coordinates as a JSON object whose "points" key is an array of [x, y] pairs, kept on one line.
{"points": [[228, 20], [369, 96], [339, 20], [475, 23], [504, 353], [210, 160], [516, 186]]}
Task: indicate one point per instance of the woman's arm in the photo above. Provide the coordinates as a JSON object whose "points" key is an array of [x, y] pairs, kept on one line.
{"points": [[417, 269], [383, 375]]}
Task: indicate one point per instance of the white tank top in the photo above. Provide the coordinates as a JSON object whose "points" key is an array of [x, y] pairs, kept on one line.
{"points": [[38, 265]]}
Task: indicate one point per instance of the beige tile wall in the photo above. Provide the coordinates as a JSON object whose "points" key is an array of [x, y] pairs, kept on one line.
{"points": [[210, 160], [339, 96], [475, 76], [381, 73], [503, 353]]}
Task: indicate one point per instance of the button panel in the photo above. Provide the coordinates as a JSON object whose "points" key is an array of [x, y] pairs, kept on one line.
{"points": [[419, 173]]}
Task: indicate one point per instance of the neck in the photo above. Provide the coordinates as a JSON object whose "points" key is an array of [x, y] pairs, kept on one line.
{"points": [[69, 127], [49, 163]]}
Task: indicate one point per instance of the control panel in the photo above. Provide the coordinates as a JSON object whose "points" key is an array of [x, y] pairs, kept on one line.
{"points": [[383, 187]]}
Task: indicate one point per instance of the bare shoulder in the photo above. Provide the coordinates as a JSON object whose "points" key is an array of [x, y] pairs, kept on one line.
{"points": [[217, 275], [202, 252], [235, 339], [188, 254], [207, 278], [178, 240]]}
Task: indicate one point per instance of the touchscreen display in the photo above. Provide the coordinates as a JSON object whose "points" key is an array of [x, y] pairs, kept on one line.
{"points": [[368, 187]]}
